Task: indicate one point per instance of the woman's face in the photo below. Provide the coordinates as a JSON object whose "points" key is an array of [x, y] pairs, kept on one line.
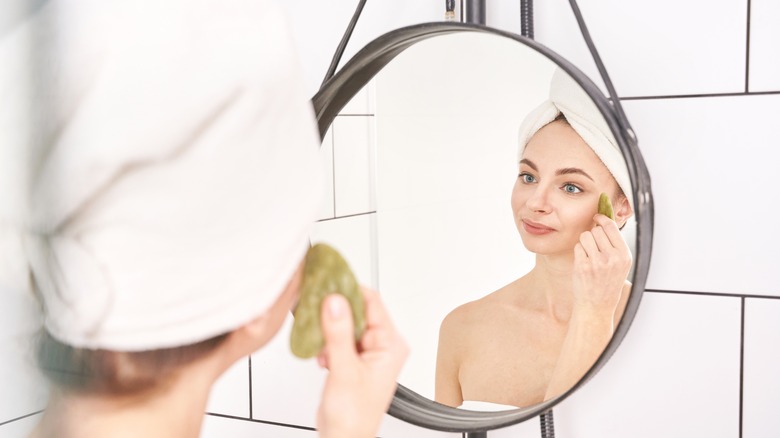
{"points": [[557, 191]]}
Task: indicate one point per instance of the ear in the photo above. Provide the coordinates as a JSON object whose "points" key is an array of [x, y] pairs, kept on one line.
{"points": [[622, 210], [256, 333]]}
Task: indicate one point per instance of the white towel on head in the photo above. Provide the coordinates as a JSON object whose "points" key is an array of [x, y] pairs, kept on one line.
{"points": [[567, 97], [171, 173]]}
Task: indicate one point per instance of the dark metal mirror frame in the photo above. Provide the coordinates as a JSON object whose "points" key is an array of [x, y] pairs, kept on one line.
{"points": [[337, 92]]}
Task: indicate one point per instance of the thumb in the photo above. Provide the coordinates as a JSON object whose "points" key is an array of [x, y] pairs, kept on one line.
{"points": [[338, 330]]}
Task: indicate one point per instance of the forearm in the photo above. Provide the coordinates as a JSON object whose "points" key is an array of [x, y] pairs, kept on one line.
{"points": [[589, 333]]}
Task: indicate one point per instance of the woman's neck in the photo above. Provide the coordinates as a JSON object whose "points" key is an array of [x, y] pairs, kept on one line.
{"points": [[552, 278], [174, 411]]}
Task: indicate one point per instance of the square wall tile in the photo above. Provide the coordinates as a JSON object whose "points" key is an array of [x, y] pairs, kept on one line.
{"points": [[355, 238], [761, 395], [663, 47], [219, 427], [20, 428], [713, 165], [353, 164], [24, 388], [230, 394], [318, 27], [676, 374], [764, 40], [327, 207], [285, 389]]}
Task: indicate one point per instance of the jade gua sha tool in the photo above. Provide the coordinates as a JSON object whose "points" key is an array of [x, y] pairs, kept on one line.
{"points": [[325, 272], [605, 206]]}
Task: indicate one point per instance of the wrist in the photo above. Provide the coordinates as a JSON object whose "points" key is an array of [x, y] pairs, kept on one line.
{"points": [[595, 315]]}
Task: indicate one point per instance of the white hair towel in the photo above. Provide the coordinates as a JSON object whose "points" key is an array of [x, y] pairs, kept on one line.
{"points": [[160, 170], [567, 97]]}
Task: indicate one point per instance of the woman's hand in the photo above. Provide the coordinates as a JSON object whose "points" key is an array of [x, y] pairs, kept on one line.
{"points": [[362, 378], [602, 261]]}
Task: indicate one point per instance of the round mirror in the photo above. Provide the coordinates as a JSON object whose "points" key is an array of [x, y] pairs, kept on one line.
{"points": [[485, 156]]}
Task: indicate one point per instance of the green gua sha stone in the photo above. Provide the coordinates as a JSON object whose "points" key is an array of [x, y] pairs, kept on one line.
{"points": [[605, 206], [324, 272]]}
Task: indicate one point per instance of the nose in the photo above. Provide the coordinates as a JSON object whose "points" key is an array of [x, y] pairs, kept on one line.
{"points": [[539, 201]]}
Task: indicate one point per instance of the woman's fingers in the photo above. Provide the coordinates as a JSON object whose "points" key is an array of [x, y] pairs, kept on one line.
{"points": [[611, 230], [338, 331], [588, 243]]}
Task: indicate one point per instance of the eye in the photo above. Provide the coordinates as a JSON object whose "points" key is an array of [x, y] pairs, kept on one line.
{"points": [[571, 188], [527, 178]]}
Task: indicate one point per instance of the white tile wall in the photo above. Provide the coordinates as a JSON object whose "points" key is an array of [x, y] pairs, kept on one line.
{"points": [[354, 164], [230, 395], [20, 428], [664, 47], [713, 165], [285, 389], [326, 155], [761, 396], [24, 390], [218, 427], [355, 238], [318, 28], [676, 374], [764, 45]]}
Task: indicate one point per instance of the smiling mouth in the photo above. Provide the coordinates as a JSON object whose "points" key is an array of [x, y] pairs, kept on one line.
{"points": [[537, 229]]}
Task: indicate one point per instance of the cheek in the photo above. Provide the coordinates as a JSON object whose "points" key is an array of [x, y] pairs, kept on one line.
{"points": [[579, 219], [516, 200]]}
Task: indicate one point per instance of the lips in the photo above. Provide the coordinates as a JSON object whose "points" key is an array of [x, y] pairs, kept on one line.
{"points": [[536, 228]]}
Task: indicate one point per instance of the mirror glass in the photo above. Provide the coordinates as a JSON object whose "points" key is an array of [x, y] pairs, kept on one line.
{"points": [[426, 210]]}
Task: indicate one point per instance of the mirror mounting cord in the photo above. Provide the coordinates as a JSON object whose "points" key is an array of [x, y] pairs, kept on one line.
{"points": [[602, 71], [343, 44], [527, 18]]}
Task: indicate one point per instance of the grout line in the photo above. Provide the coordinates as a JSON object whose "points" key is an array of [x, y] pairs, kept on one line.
{"points": [[333, 162], [20, 418], [714, 294], [689, 96], [252, 420], [346, 216], [741, 362], [250, 387], [747, 51]]}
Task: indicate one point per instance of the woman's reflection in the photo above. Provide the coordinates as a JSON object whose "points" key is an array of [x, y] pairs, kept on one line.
{"points": [[535, 338]]}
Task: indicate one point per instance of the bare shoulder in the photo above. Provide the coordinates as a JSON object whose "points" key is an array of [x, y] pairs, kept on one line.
{"points": [[478, 312]]}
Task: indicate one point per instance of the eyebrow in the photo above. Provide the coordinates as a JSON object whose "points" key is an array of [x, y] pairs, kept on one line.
{"points": [[564, 171]]}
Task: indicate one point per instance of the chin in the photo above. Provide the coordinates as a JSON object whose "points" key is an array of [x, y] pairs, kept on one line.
{"points": [[537, 245]]}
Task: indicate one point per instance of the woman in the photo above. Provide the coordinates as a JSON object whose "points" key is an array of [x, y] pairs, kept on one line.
{"points": [[161, 179], [536, 337]]}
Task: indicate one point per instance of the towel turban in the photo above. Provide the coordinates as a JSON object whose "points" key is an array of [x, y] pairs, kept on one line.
{"points": [[159, 170], [569, 99]]}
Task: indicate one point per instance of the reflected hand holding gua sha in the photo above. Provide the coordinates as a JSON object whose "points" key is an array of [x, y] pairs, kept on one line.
{"points": [[447, 111]]}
